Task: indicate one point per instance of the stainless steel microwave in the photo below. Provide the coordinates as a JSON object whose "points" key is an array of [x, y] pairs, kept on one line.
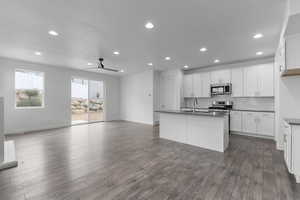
{"points": [[220, 89]]}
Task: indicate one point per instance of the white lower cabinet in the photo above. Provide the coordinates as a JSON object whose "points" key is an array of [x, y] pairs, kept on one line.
{"points": [[210, 132], [258, 123], [249, 122], [236, 121], [291, 141], [173, 130], [287, 145], [265, 124]]}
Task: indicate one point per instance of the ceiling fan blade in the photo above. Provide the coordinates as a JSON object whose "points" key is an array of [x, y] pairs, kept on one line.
{"points": [[112, 70], [92, 68], [101, 67]]}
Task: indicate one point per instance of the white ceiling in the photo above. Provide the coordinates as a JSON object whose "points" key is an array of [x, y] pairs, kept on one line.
{"points": [[92, 28]]}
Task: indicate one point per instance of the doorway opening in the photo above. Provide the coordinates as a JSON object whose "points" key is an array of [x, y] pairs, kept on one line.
{"points": [[87, 102]]}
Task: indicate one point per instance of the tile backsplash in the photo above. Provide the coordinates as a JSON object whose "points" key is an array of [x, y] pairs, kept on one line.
{"points": [[251, 103]]}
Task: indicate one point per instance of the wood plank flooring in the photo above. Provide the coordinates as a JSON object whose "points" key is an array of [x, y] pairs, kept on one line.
{"points": [[122, 160]]}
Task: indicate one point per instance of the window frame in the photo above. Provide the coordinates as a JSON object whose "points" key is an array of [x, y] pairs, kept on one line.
{"points": [[43, 91]]}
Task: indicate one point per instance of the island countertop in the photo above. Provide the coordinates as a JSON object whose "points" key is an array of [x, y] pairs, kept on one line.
{"points": [[200, 113], [292, 121]]}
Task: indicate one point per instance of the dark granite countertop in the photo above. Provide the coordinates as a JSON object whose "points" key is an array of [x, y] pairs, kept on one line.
{"points": [[292, 121], [199, 113], [235, 109], [249, 110]]}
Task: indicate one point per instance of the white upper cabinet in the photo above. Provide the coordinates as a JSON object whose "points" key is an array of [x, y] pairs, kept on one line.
{"points": [[196, 85], [259, 80], [188, 85], [237, 81], [266, 80], [205, 80], [220, 76], [251, 81]]}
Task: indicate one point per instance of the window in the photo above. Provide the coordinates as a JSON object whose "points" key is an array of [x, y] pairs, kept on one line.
{"points": [[29, 89]]}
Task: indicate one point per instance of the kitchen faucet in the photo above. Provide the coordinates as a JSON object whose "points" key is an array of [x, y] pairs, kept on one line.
{"points": [[195, 103]]}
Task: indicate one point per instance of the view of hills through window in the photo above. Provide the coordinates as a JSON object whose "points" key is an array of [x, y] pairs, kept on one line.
{"points": [[29, 88]]}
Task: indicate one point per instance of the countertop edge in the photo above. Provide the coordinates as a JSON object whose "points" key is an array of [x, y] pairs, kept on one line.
{"points": [[292, 121], [245, 110], [216, 114]]}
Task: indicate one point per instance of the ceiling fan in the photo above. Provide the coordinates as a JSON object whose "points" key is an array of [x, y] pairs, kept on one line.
{"points": [[101, 66]]}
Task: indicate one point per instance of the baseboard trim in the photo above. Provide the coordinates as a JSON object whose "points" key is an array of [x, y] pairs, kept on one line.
{"points": [[59, 126], [156, 123], [139, 122], [279, 146], [252, 135], [23, 131]]}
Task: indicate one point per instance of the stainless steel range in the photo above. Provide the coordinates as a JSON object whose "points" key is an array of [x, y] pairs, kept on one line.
{"points": [[221, 105]]}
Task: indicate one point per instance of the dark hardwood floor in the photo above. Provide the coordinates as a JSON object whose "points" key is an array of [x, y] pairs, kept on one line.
{"points": [[121, 160]]}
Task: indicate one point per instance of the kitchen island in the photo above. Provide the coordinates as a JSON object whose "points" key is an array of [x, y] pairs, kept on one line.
{"points": [[205, 129]]}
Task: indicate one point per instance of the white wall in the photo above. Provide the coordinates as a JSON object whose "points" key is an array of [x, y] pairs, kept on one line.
{"points": [[294, 6], [1, 130], [137, 102], [57, 111]]}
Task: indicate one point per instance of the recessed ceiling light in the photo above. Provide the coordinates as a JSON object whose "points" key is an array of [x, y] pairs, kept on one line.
{"points": [[150, 64], [38, 53], [167, 58], [116, 53], [185, 66], [89, 64], [216, 61], [203, 49], [52, 32], [259, 53], [258, 35], [149, 25], [122, 70]]}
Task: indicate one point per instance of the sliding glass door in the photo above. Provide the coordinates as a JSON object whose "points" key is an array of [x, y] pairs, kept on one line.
{"points": [[96, 101], [87, 103]]}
